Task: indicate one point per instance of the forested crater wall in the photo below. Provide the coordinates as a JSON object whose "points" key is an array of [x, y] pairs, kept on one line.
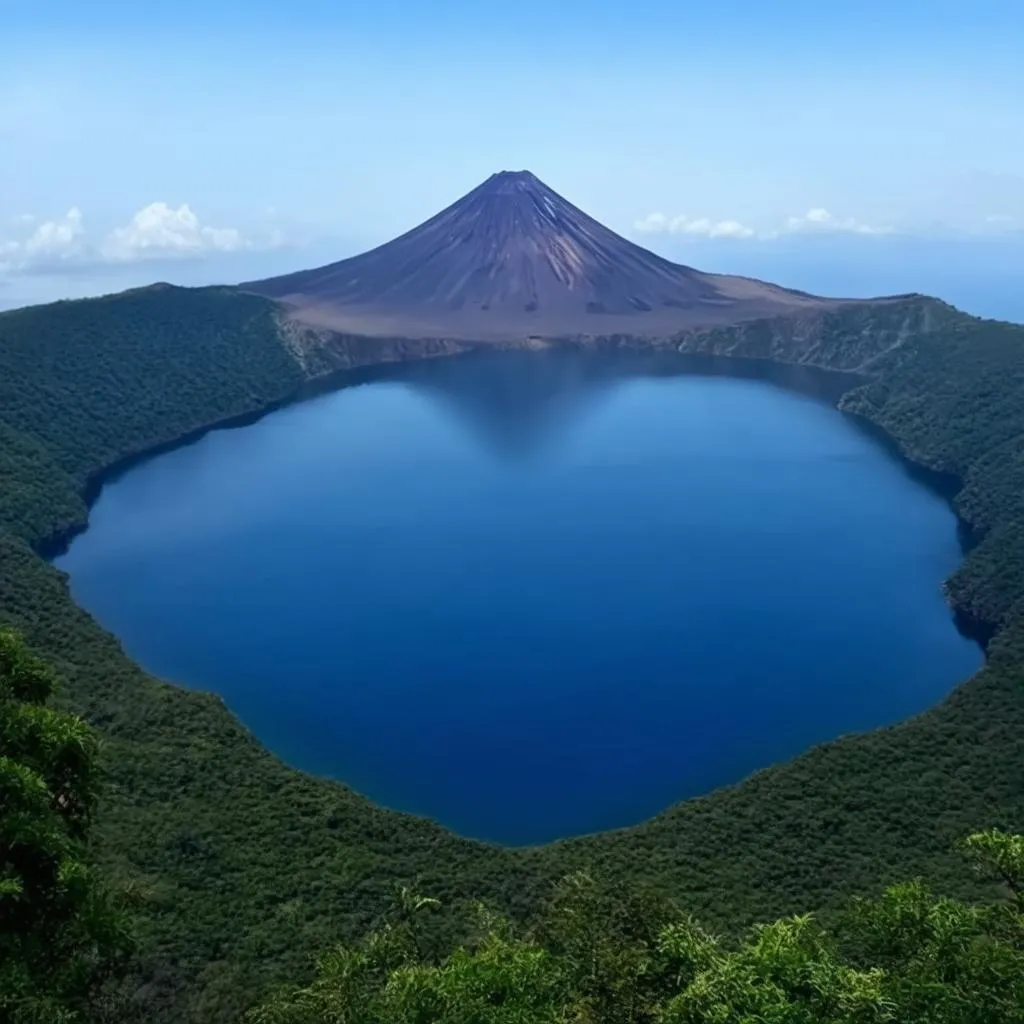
{"points": [[254, 865]]}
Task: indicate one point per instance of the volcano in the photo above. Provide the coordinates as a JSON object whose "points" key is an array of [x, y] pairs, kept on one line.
{"points": [[513, 258]]}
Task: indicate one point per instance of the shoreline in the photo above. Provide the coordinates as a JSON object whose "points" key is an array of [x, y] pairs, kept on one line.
{"points": [[57, 543]]}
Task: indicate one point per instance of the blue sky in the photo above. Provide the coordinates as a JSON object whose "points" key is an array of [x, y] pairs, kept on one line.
{"points": [[875, 146]]}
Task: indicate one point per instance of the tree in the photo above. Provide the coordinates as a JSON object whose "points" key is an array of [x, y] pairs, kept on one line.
{"points": [[502, 980], [1000, 856], [944, 960], [606, 937], [785, 973], [603, 955], [61, 934]]}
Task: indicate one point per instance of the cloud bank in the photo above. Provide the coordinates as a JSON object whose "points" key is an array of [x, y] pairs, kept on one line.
{"points": [[815, 221], [658, 223], [156, 232], [820, 220], [159, 230]]}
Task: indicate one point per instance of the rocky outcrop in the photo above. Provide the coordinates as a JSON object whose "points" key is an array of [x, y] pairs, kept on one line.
{"points": [[321, 352], [855, 338]]}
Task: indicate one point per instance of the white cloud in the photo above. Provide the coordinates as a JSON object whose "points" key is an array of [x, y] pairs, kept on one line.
{"points": [[653, 223], [159, 231], [816, 220], [52, 242], [715, 229], [57, 239], [658, 223]]}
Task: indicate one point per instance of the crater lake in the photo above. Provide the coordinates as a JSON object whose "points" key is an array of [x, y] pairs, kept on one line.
{"points": [[532, 595]]}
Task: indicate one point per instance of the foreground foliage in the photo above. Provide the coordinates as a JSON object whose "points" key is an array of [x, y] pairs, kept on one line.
{"points": [[597, 957], [61, 934], [250, 866]]}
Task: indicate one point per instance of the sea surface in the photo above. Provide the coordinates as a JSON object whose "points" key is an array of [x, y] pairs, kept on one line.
{"points": [[537, 595]]}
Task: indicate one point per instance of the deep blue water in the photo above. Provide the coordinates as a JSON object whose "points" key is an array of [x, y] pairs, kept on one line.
{"points": [[536, 595]]}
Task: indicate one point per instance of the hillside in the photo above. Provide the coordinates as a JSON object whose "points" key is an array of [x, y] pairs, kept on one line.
{"points": [[252, 865], [513, 259]]}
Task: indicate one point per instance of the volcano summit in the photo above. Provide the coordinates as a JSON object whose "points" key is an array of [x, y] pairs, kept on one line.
{"points": [[510, 259]]}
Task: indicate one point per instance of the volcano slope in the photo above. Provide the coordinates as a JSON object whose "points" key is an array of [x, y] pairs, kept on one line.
{"points": [[247, 866], [513, 259]]}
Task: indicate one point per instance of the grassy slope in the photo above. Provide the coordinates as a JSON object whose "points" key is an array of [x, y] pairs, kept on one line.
{"points": [[252, 864]]}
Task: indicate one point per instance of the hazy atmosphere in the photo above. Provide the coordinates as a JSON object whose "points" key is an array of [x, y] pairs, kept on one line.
{"points": [[870, 150]]}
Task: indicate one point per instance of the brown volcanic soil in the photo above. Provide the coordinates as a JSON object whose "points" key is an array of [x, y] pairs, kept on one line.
{"points": [[511, 259]]}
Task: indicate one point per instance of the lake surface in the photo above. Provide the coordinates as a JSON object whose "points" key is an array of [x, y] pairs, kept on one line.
{"points": [[535, 595]]}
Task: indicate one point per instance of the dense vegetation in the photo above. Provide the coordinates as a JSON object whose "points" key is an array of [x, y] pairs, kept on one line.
{"points": [[61, 933], [595, 954], [955, 401], [598, 956], [250, 866], [84, 384]]}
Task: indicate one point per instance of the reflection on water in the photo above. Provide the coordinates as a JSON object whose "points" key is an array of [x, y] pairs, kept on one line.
{"points": [[516, 401], [538, 594]]}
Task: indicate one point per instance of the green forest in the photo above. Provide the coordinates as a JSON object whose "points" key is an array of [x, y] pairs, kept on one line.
{"points": [[593, 952], [211, 874]]}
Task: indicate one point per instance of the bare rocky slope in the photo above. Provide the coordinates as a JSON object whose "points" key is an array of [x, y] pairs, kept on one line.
{"points": [[850, 337], [513, 259]]}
